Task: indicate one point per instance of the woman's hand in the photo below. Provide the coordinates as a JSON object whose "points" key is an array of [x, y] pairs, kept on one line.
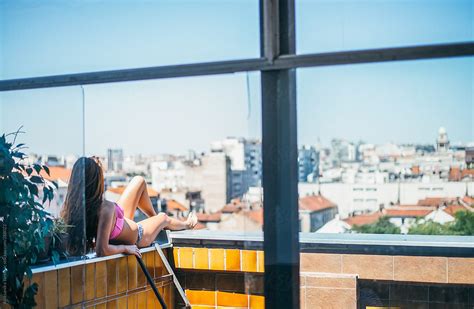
{"points": [[133, 249]]}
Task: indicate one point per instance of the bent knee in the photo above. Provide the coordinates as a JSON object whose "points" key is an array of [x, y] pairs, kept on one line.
{"points": [[164, 217], [138, 179]]}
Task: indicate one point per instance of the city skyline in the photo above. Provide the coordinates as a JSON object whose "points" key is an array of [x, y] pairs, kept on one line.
{"points": [[401, 102]]}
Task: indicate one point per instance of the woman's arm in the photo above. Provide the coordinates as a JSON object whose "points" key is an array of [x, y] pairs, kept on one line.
{"points": [[104, 228]]}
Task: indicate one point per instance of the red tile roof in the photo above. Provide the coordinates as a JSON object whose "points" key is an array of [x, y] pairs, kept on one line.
{"points": [[454, 174], [452, 209], [172, 205], [234, 206], [315, 203], [407, 212], [255, 215], [437, 201], [469, 173], [363, 219], [468, 200], [56, 173]]}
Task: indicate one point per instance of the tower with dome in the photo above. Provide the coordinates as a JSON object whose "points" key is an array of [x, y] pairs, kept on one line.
{"points": [[442, 142]]}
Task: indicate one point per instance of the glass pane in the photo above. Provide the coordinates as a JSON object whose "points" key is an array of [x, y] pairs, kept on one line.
{"points": [[324, 26], [386, 149], [47, 127], [83, 36]]}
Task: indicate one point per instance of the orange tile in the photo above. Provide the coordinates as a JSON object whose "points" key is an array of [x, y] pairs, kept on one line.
{"points": [[77, 284], [122, 302], [175, 257], [112, 304], [217, 259], [39, 279], [111, 277], [122, 274], [100, 279], [141, 300], [257, 302], [51, 289], [160, 269], [249, 260], [201, 297], [232, 299], [420, 269], [186, 257], [132, 301], [132, 271], [89, 293], [149, 260], [461, 270], [368, 266], [150, 299], [261, 261], [201, 258], [202, 307], [232, 259], [319, 262], [64, 287]]}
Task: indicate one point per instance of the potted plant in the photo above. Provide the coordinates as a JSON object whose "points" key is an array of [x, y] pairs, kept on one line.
{"points": [[24, 222], [60, 237]]}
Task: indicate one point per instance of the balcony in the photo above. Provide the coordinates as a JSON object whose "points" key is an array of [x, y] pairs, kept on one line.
{"points": [[224, 270]]}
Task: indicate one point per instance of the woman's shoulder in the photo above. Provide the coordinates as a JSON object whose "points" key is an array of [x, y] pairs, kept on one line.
{"points": [[107, 206]]}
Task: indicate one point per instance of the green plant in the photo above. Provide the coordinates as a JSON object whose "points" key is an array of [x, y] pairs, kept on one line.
{"points": [[24, 221]]}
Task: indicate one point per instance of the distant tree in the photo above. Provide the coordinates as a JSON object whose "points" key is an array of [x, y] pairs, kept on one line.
{"points": [[463, 224], [382, 226], [429, 228]]}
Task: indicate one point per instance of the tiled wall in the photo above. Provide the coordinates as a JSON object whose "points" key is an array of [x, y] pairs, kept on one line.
{"points": [[111, 283], [327, 280], [398, 268]]}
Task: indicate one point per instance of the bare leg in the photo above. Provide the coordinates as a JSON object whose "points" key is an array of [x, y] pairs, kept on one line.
{"points": [[136, 195], [153, 225]]}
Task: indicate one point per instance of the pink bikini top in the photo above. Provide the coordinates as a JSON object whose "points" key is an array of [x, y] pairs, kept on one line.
{"points": [[118, 226]]}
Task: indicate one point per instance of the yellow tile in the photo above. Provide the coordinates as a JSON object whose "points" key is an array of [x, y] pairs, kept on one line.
{"points": [[100, 279], [132, 301], [257, 302], [132, 271], [122, 274], [111, 277], [261, 262], [122, 302], [51, 289], [89, 293], [201, 258], [77, 284], [217, 259], [39, 279], [232, 259], [141, 300], [249, 260], [175, 257], [202, 307], [159, 266], [201, 297], [64, 287], [232, 299], [149, 260], [186, 257]]}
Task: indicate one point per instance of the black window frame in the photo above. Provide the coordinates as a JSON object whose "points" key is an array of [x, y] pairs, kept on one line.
{"points": [[277, 63]]}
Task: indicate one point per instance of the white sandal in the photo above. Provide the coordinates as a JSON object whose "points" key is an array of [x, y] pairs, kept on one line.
{"points": [[192, 220]]}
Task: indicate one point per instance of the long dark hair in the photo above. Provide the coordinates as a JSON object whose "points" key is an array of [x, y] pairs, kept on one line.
{"points": [[82, 204]]}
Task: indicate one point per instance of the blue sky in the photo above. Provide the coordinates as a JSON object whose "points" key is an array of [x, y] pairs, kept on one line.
{"points": [[399, 102]]}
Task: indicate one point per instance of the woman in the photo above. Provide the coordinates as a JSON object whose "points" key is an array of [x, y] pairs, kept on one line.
{"points": [[111, 224]]}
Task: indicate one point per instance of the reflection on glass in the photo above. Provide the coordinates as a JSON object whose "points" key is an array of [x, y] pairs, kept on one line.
{"points": [[50, 122], [387, 148], [79, 36], [324, 26], [194, 142]]}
